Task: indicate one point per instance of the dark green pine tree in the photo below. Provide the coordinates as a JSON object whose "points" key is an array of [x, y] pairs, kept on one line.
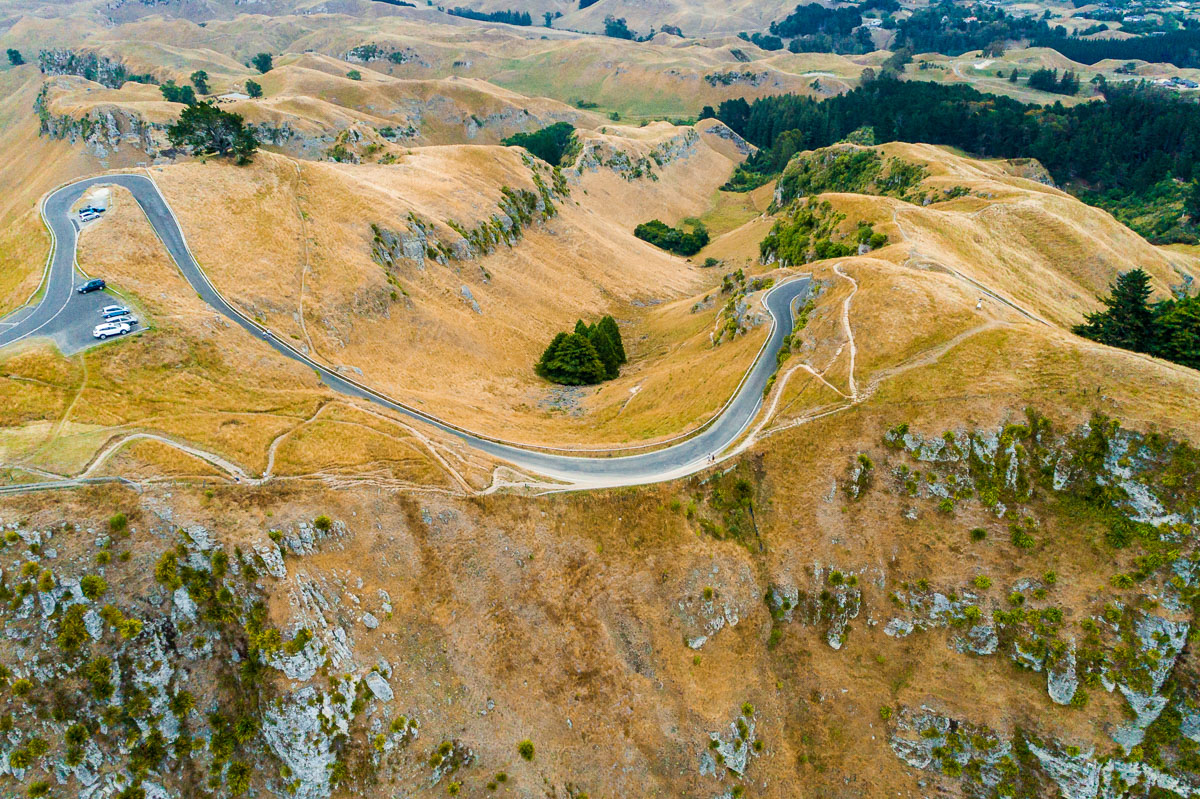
{"points": [[543, 365], [1128, 320], [604, 348], [1191, 203], [1179, 325], [609, 326], [575, 363], [581, 329]]}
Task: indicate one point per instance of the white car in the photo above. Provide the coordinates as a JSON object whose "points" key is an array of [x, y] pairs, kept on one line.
{"points": [[106, 329], [126, 318], [88, 216]]}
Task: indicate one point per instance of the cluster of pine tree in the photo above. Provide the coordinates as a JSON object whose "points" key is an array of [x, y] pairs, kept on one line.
{"points": [[1169, 329], [590, 354]]}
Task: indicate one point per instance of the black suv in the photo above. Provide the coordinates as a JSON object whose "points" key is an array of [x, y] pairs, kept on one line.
{"points": [[95, 284]]}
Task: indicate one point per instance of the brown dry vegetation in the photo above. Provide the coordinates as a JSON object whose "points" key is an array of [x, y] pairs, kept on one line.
{"points": [[288, 234]]}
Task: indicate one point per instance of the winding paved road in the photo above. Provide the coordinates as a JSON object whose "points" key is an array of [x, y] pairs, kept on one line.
{"points": [[686, 457]]}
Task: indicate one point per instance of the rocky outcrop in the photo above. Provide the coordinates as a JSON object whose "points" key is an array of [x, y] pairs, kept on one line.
{"points": [[93, 67], [102, 131], [723, 131], [734, 78], [413, 245]]}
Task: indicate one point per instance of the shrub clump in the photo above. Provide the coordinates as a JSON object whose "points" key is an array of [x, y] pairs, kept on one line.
{"points": [[675, 240], [588, 355]]}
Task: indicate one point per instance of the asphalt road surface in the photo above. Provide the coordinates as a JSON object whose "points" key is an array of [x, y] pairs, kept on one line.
{"points": [[59, 306], [62, 314]]}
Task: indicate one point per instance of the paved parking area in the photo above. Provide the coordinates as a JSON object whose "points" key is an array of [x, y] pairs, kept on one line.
{"points": [[73, 327], [70, 319]]}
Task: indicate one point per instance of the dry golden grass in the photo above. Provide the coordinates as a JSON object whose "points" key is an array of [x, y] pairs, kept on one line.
{"points": [[1031, 244], [35, 166], [192, 377], [279, 216]]}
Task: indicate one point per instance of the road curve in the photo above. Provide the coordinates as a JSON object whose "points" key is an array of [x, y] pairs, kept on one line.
{"points": [[686, 457]]}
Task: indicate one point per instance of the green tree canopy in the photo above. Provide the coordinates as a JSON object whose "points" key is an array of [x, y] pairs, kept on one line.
{"points": [[253, 89], [15, 58], [207, 130], [199, 79], [569, 358], [178, 94], [262, 62], [609, 326], [1191, 203], [550, 144], [1179, 330], [676, 240], [572, 361], [1128, 320]]}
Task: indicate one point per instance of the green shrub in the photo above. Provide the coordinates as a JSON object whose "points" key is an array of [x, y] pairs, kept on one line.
{"points": [[238, 777], [323, 523], [72, 632], [1020, 537], [525, 749], [130, 628], [166, 571], [118, 523], [93, 586]]}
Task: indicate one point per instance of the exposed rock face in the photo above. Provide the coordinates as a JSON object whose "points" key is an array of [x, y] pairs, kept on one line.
{"points": [[91, 66], [470, 299], [723, 131], [102, 132], [834, 601], [1061, 679], [744, 78], [295, 730], [414, 245], [599, 154], [1160, 641], [931, 742], [731, 752]]}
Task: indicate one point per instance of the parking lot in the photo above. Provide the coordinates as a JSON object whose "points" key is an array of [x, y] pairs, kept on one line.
{"points": [[69, 321]]}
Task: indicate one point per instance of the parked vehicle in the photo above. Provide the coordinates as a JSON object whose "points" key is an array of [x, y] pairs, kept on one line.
{"points": [[88, 216], [113, 311], [95, 284], [128, 319], [106, 329]]}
